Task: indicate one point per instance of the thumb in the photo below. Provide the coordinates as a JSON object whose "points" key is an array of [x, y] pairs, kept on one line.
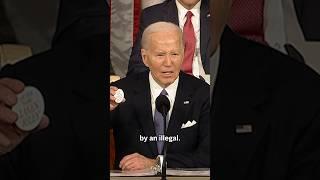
{"points": [[44, 123]]}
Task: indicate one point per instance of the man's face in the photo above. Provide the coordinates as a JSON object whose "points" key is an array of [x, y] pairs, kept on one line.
{"points": [[163, 55], [188, 4]]}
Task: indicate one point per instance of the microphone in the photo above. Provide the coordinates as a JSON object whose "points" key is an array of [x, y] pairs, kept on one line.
{"points": [[163, 106]]}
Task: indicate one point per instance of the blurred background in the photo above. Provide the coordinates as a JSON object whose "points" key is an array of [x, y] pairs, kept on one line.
{"points": [[289, 26], [27, 28], [31, 22]]}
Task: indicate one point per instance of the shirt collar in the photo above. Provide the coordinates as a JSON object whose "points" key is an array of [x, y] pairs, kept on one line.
{"points": [[156, 88]]}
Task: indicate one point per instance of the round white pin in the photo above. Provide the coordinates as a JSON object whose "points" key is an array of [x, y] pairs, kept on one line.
{"points": [[30, 108], [119, 96]]}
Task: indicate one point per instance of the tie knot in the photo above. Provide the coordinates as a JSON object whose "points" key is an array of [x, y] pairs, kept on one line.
{"points": [[164, 92], [189, 14]]}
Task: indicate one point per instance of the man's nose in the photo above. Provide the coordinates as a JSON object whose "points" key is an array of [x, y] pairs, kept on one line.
{"points": [[167, 60]]}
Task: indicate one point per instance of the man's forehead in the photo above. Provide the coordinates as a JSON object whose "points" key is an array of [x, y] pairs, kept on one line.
{"points": [[158, 37], [162, 33]]}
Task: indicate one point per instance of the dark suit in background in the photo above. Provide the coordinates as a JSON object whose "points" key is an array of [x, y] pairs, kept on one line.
{"points": [[134, 118], [33, 22], [71, 77], [167, 11], [265, 115], [6, 30], [307, 13]]}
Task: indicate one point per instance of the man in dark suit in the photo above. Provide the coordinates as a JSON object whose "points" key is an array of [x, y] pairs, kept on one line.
{"points": [[265, 110], [188, 117], [71, 77], [174, 11]]}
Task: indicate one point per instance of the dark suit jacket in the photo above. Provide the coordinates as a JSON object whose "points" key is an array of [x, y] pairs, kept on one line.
{"points": [[134, 118], [80, 19], [261, 90], [72, 81], [307, 11], [167, 11]]}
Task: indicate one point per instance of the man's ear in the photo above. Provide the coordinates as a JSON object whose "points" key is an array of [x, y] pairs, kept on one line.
{"points": [[144, 57]]}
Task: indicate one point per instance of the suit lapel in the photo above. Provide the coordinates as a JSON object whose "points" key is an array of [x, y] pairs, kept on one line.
{"points": [[239, 103], [143, 108], [205, 36], [179, 108], [172, 13], [177, 111]]}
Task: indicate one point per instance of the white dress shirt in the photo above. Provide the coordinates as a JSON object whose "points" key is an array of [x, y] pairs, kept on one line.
{"points": [[274, 24], [156, 89], [197, 67]]}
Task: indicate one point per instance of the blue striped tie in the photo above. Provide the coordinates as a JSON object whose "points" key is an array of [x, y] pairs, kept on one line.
{"points": [[159, 126]]}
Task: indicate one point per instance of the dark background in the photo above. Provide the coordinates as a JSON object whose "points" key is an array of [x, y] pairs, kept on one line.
{"points": [[30, 22]]}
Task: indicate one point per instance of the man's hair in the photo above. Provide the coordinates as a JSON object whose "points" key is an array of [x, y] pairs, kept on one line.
{"points": [[160, 27]]}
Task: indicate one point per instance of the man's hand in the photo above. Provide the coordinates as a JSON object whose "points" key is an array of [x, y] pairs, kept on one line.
{"points": [[113, 103], [136, 161], [10, 134]]}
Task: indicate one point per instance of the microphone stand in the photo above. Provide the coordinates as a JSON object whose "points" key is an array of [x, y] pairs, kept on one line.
{"points": [[164, 162]]}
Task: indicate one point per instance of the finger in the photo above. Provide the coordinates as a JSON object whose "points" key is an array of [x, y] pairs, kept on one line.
{"points": [[7, 95], [128, 165], [136, 163], [10, 137], [127, 157], [113, 88], [7, 115], [4, 141], [12, 131], [112, 92], [112, 107], [13, 84], [113, 103], [44, 123], [135, 166], [124, 160], [112, 98]]}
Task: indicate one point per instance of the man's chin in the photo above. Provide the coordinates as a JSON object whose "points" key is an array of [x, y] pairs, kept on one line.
{"points": [[167, 82]]}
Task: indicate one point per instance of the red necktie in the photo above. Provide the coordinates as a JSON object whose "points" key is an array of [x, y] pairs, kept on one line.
{"points": [[247, 19], [190, 44]]}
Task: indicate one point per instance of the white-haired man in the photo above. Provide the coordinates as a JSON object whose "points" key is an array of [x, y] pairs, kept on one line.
{"points": [[188, 117]]}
